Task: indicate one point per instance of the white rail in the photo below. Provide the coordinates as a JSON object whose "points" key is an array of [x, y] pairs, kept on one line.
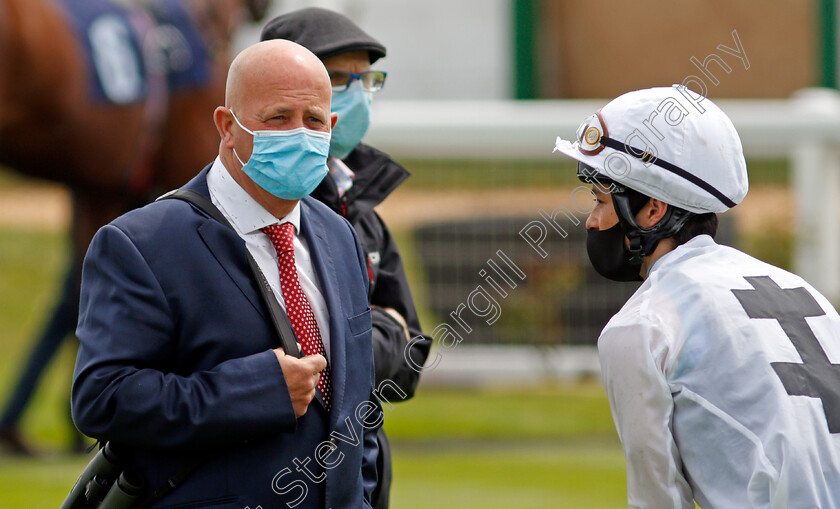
{"points": [[805, 128]]}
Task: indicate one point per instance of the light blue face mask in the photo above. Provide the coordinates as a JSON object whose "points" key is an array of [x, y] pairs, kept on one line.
{"points": [[288, 164], [353, 108]]}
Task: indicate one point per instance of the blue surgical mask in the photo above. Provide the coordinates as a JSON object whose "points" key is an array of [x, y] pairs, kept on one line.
{"points": [[353, 108], [288, 164]]}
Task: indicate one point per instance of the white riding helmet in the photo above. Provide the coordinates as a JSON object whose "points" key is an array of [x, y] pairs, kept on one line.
{"points": [[668, 143]]}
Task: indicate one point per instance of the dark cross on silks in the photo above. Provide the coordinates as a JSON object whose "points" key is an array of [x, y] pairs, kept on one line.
{"points": [[816, 377]]}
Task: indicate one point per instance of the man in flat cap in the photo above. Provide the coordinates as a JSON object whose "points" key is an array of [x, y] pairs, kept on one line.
{"points": [[360, 178]]}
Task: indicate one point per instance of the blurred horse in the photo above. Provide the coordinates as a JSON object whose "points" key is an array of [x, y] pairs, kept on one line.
{"points": [[144, 137], [113, 98]]}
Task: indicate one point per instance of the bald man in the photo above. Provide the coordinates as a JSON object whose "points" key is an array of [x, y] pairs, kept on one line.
{"points": [[180, 367]]}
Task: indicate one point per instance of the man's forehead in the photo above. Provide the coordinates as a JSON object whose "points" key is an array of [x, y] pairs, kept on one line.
{"points": [[284, 70], [290, 93]]}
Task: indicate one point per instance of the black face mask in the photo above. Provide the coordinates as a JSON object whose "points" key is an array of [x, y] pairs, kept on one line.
{"points": [[608, 256]]}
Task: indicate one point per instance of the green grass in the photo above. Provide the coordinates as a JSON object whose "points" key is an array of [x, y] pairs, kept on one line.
{"points": [[30, 267], [560, 412], [38, 483], [549, 475], [538, 447]]}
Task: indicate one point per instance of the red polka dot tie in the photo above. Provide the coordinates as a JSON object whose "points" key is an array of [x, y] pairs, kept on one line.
{"points": [[297, 305]]}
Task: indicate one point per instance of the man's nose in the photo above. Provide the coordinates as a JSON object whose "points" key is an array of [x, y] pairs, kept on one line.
{"points": [[591, 222]]}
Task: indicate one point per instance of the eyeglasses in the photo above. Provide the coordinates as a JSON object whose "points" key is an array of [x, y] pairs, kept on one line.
{"points": [[371, 80]]}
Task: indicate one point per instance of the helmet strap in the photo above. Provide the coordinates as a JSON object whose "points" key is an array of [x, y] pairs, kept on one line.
{"points": [[643, 241]]}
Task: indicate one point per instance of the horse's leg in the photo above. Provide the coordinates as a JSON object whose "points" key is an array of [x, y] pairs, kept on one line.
{"points": [[90, 211], [61, 324]]}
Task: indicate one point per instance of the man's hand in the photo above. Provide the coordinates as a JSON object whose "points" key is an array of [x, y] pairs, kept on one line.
{"points": [[301, 377], [393, 313]]}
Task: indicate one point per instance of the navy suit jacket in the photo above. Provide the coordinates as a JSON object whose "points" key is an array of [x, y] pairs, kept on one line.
{"points": [[176, 363]]}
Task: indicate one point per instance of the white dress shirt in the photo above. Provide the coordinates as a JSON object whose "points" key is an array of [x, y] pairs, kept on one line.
{"points": [[247, 217], [700, 411]]}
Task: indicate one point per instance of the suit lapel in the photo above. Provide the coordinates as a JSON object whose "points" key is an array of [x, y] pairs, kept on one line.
{"points": [[227, 248], [320, 249]]}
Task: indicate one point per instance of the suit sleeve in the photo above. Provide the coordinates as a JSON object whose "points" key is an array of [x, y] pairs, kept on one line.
{"points": [[632, 360], [122, 391], [392, 351]]}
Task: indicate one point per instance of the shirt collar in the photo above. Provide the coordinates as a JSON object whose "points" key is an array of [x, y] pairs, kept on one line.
{"points": [[700, 241], [243, 212]]}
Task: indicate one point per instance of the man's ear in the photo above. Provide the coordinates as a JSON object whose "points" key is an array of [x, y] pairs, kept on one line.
{"points": [[653, 212], [224, 124]]}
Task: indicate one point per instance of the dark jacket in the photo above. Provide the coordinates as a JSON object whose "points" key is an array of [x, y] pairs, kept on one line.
{"points": [[377, 176], [176, 363]]}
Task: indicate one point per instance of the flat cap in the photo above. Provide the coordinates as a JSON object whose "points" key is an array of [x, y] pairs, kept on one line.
{"points": [[323, 32]]}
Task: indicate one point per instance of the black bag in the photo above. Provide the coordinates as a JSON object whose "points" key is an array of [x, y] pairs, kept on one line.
{"points": [[105, 483]]}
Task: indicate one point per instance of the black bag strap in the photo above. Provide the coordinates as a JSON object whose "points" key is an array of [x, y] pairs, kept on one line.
{"points": [[278, 316], [171, 484]]}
